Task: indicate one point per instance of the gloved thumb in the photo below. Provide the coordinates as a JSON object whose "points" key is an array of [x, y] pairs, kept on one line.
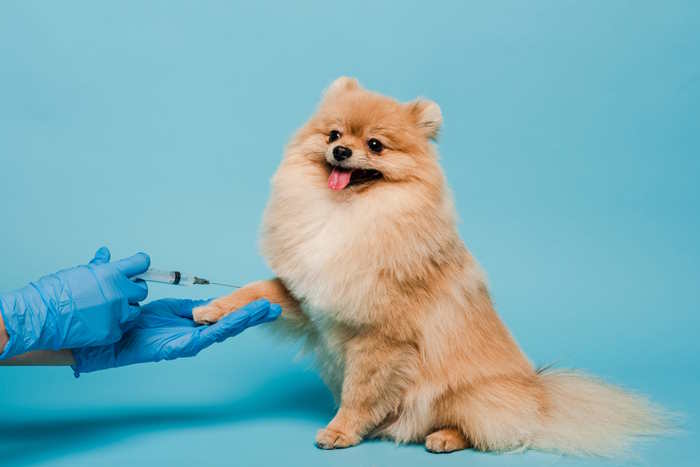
{"points": [[102, 256], [133, 265]]}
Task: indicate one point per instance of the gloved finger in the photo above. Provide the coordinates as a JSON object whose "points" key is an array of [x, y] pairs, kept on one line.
{"points": [[102, 256], [257, 310], [274, 313], [184, 307], [135, 291], [133, 265], [226, 327], [234, 323], [229, 326]]}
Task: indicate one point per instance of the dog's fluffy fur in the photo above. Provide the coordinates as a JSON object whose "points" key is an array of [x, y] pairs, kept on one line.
{"points": [[396, 309]]}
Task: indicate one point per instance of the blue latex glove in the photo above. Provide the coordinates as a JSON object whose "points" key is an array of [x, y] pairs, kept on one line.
{"points": [[165, 331], [83, 306]]}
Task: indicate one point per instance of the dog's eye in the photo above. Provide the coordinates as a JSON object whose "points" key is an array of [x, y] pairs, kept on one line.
{"points": [[375, 145], [334, 135]]}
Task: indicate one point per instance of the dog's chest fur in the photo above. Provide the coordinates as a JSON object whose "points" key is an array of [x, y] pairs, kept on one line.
{"points": [[329, 254]]}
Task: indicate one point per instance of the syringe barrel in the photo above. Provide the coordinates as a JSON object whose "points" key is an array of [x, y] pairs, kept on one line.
{"points": [[158, 275]]}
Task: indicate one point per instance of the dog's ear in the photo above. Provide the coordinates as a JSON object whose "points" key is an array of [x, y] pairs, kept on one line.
{"points": [[427, 116], [340, 85]]}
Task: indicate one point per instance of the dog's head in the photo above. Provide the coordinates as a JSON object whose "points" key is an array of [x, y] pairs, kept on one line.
{"points": [[360, 139]]}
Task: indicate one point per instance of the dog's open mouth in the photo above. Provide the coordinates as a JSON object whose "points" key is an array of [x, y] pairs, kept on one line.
{"points": [[341, 178]]}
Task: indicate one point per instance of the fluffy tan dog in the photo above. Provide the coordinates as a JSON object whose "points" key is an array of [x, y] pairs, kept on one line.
{"points": [[360, 230]]}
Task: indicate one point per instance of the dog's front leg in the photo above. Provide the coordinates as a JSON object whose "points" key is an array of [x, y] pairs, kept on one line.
{"points": [[273, 290], [376, 373]]}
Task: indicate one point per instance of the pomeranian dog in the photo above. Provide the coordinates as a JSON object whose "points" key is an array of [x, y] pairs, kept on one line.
{"points": [[360, 230]]}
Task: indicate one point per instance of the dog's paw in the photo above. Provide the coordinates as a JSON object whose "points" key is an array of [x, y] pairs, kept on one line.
{"points": [[445, 440], [206, 314], [328, 438]]}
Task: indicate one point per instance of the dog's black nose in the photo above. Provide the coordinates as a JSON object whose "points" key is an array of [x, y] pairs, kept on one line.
{"points": [[340, 153]]}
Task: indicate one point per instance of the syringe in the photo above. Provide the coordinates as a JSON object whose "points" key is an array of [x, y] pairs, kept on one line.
{"points": [[177, 278]]}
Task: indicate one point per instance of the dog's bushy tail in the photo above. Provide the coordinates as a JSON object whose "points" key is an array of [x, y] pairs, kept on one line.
{"points": [[586, 416]]}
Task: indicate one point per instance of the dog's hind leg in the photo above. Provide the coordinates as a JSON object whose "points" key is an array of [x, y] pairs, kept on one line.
{"points": [[446, 440]]}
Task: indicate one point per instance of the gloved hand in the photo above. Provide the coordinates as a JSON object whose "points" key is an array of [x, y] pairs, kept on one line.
{"points": [[165, 331], [83, 306]]}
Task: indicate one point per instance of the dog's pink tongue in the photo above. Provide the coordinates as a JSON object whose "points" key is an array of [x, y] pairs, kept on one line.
{"points": [[339, 179]]}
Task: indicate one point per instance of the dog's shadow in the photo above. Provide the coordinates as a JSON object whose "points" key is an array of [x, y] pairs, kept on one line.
{"points": [[24, 442]]}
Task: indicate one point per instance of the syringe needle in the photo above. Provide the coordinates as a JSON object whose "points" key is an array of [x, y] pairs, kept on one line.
{"points": [[225, 285], [203, 281]]}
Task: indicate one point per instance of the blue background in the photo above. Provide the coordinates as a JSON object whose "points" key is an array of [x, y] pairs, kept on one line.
{"points": [[571, 140]]}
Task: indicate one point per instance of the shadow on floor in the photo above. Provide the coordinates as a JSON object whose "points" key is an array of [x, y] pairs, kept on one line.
{"points": [[28, 442]]}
